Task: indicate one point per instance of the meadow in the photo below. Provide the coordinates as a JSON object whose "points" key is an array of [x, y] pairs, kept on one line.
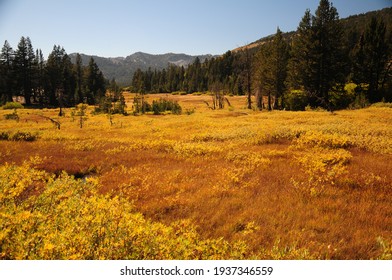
{"points": [[206, 184]]}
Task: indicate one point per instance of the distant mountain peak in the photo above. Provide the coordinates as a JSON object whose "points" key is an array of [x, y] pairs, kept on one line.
{"points": [[122, 68]]}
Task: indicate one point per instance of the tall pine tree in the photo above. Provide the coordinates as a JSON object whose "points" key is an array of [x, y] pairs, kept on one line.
{"points": [[370, 59], [79, 79], [6, 73], [318, 59], [95, 83], [271, 70], [24, 68]]}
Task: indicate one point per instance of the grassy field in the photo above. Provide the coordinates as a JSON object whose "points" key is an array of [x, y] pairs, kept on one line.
{"points": [[232, 183]]}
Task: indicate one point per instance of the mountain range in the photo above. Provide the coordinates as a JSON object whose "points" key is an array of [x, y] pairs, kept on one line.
{"points": [[122, 68]]}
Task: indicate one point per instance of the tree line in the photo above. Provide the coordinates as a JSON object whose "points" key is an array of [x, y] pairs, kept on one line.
{"points": [[325, 63], [55, 82]]}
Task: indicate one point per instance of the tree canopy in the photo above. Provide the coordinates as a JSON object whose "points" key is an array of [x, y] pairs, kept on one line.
{"points": [[56, 82]]}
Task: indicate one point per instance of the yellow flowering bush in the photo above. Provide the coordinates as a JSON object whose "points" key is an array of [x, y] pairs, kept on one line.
{"points": [[43, 217], [323, 166], [250, 160], [187, 150], [314, 138]]}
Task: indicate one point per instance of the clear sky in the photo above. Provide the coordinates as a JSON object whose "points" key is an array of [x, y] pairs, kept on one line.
{"points": [[114, 28]]}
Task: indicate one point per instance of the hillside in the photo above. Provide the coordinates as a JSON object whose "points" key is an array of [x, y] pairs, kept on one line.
{"points": [[353, 26], [122, 68]]}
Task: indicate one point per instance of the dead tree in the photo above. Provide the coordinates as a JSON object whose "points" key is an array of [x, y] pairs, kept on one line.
{"points": [[56, 123]]}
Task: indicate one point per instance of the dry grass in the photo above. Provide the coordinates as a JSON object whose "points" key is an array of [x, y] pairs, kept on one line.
{"points": [[315, 183]]}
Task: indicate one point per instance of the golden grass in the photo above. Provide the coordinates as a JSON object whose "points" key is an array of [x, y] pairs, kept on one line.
{"points": [[312, 184]]}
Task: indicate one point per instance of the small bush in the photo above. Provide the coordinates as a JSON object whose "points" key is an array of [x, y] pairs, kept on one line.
{"points": [[13, 116], [382, 105], [163, 105], [190, 111], [296, 100], [24, 136], [13, 105], [18, 136], [340, 97], [4, 135]]}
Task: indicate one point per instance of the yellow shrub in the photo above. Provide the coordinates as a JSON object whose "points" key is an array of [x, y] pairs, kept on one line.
{"points": [[67, 219], [316, 138], [323, 167], [187, 150], [248, 159]]}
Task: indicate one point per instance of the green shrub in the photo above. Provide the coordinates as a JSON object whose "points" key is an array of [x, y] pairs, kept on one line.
{"points": [[340, 97], [296, 100], [13, 116], [18, 136], [13, 105], [4, 135], [24, 136], [164, 105], [382, 105]]}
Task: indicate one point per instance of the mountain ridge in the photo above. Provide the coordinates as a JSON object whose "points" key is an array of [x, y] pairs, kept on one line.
{"points": [[122, 68]]}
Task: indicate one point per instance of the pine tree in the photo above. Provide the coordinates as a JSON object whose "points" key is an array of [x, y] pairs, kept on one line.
{"points": [[39, 81], [55, 75], [24, 68], [95, 82], [79, 76], [317, 62], [248, 75], [370, 59], [69, 82], [6, 73], [138, 81], [300, 54], [265, 74], [271, 70], [281, 50]]}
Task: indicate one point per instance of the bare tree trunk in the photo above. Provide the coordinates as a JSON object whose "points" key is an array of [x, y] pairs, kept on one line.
{"points": [[259, 99], [248, 77], [269, 101]]}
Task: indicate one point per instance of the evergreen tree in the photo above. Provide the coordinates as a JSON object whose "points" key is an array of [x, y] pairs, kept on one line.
{"points": [[6, 73], [95, 82], [301, 56], [248, 75], [271, 70], [138, 84], [318, 59], [39, 82], [281, 52], [264, 75], [54, 87], [69, 82], [370, 59], [195, 76], [79, 80], [24, 68]]}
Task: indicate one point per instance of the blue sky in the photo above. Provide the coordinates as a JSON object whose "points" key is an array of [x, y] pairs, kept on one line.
{"points": [[121, 27]]}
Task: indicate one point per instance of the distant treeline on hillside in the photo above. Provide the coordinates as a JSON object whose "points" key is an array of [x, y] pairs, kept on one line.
{"points": [[327, 62]]}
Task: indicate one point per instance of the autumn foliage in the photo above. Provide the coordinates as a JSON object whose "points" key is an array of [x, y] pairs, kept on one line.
{"points": [[215, 184]]}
